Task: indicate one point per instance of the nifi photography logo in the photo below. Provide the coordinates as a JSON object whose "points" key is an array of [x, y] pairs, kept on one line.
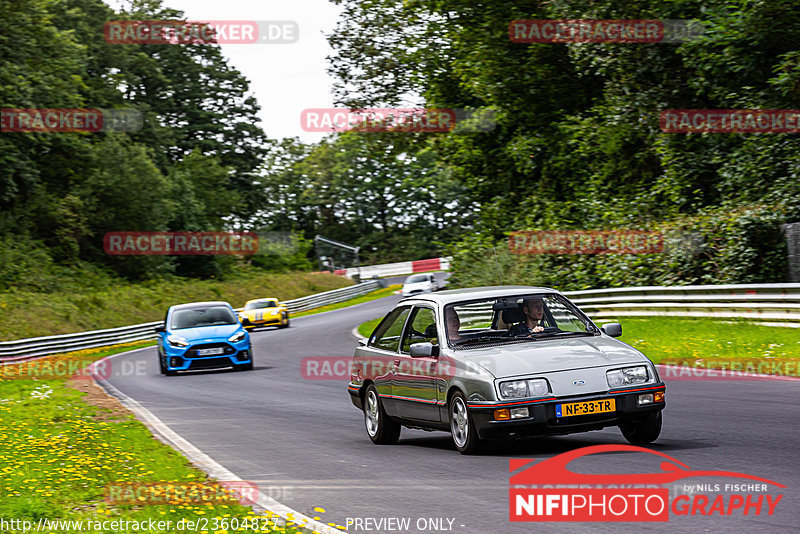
{"points": [[548, 491]]}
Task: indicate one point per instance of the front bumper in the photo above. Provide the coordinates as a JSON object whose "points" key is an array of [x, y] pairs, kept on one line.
{"points": [[542, 419], [186, 359], [275, 320]]}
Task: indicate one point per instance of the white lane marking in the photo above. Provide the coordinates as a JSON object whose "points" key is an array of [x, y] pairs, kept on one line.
{"points": [[205, 462], [357, 335]]}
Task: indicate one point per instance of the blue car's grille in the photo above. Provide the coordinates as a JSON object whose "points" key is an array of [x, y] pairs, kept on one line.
{"points": [[227, 349], [210, 363]]}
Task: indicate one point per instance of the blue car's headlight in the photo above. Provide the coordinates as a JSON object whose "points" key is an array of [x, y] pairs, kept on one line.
{"points": [[177, 341], [238, 336]]}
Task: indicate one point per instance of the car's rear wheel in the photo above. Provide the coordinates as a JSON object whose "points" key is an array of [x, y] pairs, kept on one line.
{"points": [[643, 432], [380, 428], [462, 427]]}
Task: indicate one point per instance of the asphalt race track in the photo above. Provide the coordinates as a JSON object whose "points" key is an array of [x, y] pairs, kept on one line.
{"points": [[304, 443]]}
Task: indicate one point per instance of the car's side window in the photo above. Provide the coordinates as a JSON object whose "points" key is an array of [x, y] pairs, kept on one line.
{"points": [[387, 336], [422, 329]]}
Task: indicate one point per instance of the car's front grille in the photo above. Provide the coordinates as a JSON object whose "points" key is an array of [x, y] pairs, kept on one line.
{"points": [[210, 363], [227, 349]]}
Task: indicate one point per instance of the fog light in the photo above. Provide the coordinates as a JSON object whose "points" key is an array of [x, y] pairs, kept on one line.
{"points": [[646, 399], [244, 355], [502, 415], [174, 361], [519, 413], [659, 396]]}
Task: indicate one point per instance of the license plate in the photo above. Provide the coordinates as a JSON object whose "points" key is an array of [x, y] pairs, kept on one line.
{"points": [[210, 352], [586, 408]]}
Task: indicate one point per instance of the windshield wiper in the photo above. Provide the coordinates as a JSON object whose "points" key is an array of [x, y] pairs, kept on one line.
{"points": [[548, 335]]}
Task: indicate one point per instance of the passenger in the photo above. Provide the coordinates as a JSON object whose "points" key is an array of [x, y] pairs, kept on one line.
{"points": [[453, 324], [533, 308]]}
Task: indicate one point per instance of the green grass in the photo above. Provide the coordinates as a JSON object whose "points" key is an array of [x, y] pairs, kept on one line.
{"points": [[58, 454], [713, 344], [29, 314], [374, 295], [365, 329]]}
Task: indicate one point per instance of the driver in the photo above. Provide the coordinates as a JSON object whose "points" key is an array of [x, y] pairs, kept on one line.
{"points": [[453, 324], [533, 308]]}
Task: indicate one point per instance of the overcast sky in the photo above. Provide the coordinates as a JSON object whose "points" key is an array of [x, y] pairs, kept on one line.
{"points": [[285, 78]]}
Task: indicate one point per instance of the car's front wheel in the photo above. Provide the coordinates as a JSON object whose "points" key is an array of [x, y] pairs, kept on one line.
{"points": [[286, 323], [643, 432], [462, 427], [380, 428]]}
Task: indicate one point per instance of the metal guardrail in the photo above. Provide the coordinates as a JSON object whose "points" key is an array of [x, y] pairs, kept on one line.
{"points": [[24, 349], [777, 304], [331, 297]]}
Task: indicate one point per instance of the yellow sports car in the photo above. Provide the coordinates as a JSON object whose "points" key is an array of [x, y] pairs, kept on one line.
{"points": [[264, 312]]}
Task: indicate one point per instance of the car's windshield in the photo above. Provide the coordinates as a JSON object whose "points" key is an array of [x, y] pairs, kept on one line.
{"points": [[210, 316], [525, 317], [416, 279], [260, 305]]}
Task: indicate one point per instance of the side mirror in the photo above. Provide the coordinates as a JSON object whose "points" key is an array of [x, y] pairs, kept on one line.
{"points": [[612, 329], [423, 350], [160, 328], [363, 342], [245, 321]]}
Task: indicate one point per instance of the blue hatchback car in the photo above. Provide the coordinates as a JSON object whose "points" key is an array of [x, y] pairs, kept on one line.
{"points": [[203, 335]]}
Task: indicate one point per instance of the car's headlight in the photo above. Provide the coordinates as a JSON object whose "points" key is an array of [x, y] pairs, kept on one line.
{"points": [[627, 376], [515, 389], [177, 341], [238, 336]]}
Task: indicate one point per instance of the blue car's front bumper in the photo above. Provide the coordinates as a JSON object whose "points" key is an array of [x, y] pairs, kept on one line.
{"points": [[188, 359]]}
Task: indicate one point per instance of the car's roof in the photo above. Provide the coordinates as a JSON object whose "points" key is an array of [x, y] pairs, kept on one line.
{"points": [[200, 304], [477, 293], [270, 299]]}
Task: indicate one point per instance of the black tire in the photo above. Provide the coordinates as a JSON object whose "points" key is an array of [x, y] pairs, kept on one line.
{"points": [[462, 427], [285, 325], [245, 366], [161, 366], [643, 432], [380, 428]]}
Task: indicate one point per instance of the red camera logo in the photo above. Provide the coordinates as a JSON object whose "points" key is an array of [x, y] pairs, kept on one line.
{"points": [[537, 492]]}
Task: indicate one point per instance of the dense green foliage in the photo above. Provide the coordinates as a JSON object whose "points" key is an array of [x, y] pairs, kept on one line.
{"points": [[578, 143], [191, 167]]}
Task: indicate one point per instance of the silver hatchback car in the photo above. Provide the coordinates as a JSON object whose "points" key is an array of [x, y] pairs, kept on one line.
{"points": [[494, 362]]}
